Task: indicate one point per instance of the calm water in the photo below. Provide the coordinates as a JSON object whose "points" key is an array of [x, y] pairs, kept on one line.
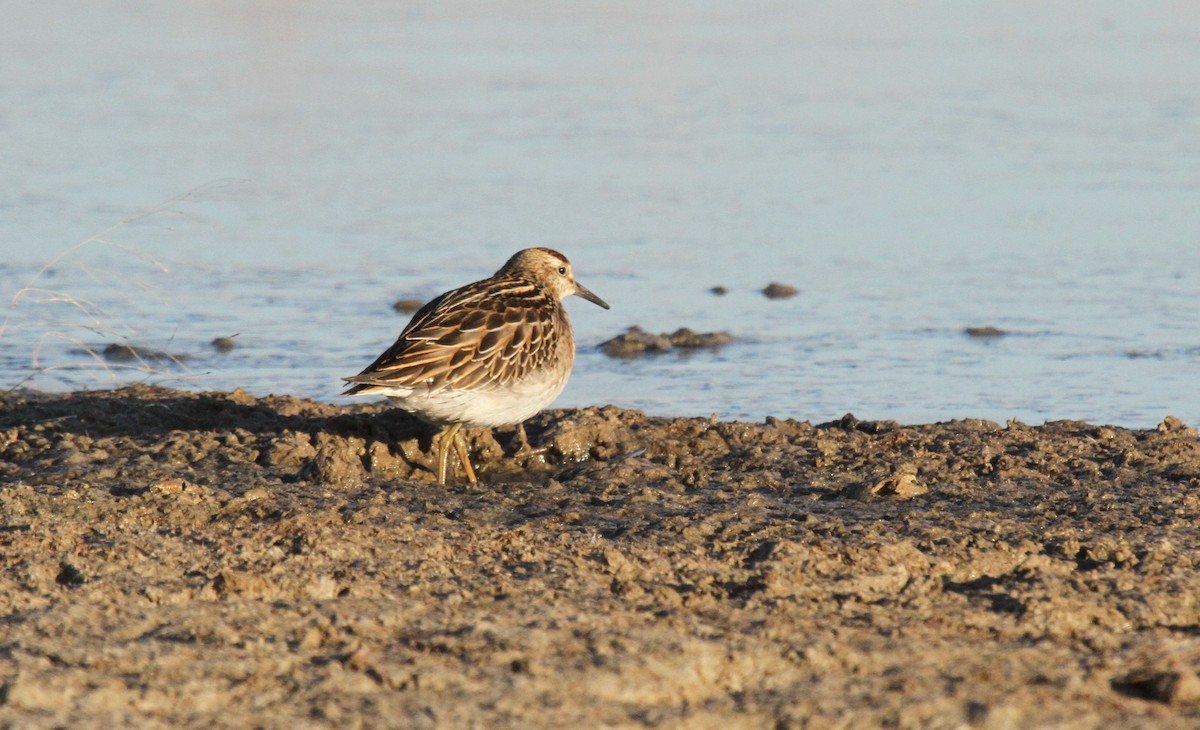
{"points": [[283, 171]]}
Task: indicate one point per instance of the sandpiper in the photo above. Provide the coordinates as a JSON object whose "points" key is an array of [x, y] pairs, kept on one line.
{"points": [[491, 353]]}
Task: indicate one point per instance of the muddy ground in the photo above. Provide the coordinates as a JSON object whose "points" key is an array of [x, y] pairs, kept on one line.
{"points": [[177, 559]]}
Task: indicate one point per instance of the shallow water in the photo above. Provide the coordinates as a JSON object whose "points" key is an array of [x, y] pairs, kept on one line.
{"points": [[282, 173]]}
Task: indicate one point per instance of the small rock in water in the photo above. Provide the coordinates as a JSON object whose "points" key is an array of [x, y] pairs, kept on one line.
{"points": [[775, 290], [984, 332], [684, 337], [120, 353], [116, 352], [407, 306], [635, 341]]}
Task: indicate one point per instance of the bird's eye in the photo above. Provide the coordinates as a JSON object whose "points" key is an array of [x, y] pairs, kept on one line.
{"points": [[562, 270]]}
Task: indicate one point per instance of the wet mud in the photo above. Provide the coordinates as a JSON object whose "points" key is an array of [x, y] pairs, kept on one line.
{"points": [[185, 560], [636, 342]]}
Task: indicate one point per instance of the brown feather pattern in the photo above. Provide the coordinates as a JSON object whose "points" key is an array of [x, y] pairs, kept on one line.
{"points": [[483, 335]]}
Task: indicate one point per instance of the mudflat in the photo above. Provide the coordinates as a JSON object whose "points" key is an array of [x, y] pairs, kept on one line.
{"points": [[215, 559]]}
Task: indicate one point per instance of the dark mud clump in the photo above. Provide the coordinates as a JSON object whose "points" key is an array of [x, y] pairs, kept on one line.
{"points": [[184, 559], [407, 306], [775, 290], [117, 352], [635, 342], [984, 332]]}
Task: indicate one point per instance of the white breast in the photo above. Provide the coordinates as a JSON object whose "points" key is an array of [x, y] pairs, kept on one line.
{"points": [[486, 408]]}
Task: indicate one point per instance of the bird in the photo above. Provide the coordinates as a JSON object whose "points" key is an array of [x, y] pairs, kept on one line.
{"points": [[491, 353]]}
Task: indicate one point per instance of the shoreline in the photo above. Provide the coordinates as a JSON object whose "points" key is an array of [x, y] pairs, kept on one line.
{"points": [[214, 558]]}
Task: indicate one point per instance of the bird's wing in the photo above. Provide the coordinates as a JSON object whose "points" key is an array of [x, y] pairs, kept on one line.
{"points": [[484, 334]]}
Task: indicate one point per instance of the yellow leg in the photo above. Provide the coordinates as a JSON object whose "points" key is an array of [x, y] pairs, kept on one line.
{"points": [[461, 446], [449, 434]]}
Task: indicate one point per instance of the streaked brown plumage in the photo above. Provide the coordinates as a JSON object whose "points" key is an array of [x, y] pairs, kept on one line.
{"points": [[491, 353]]}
